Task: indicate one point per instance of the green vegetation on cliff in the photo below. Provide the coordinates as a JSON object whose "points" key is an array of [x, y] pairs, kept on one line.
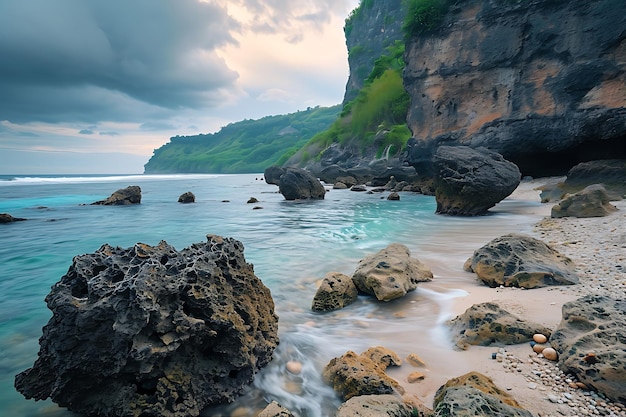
{"points": [[244, 147], [375, 121], [424, 16]]}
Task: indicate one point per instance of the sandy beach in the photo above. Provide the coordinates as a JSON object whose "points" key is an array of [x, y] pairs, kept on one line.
{"points": [[598, 248]]}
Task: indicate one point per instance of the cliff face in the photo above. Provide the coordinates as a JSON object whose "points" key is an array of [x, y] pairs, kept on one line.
{"points": [[372, 27], [541, 82]]}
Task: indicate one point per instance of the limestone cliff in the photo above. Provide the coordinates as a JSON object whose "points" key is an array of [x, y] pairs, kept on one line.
{"points": [[542, 82], [370, 28]]}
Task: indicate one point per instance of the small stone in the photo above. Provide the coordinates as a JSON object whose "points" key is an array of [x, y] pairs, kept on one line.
{"points": [[294, 367], [550, 353], [540, 338], [539, 348], [553, 398], [532, 385], [415, 377], [415, 360]]}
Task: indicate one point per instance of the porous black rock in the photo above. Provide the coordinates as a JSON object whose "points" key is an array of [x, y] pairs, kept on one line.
{"points": [[152, 331]]}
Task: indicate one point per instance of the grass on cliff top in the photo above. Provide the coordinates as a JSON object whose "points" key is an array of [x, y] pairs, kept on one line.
{"points": [[381, 106]]}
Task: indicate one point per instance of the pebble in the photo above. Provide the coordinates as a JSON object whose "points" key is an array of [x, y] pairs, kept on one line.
{"points": [[294, 367], [550, 353], [540, 338]]}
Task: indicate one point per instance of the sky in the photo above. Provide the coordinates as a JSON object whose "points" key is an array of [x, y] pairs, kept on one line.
{"points": [[92, 86]]}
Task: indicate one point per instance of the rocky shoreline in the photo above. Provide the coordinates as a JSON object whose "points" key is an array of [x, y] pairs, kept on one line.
{"points": [[597, 245]]}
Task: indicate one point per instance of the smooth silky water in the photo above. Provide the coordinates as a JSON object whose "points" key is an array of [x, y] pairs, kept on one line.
{"points": [[292, 245]]}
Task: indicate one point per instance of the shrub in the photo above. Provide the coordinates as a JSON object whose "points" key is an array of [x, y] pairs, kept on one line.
{"points": [[424, 16]]}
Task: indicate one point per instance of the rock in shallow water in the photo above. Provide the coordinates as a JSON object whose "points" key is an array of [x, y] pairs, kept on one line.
{"points": [[151, 331]]}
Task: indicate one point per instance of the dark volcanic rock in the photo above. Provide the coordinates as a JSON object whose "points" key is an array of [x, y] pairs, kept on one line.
{"points": [[590, 341], [487, 324], [151, 331], [272, 175], [518, 78], [298, 184], [474, 394], [469, 181], [122, 197], [593, 201], [7, 218], [187, 198], [516, 260]]}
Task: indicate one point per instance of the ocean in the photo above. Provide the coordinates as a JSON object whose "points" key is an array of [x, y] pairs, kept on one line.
{"points": [[292, 245]]}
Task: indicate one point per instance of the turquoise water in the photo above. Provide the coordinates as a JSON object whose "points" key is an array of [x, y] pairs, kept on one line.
{"points": [[291, 245]]}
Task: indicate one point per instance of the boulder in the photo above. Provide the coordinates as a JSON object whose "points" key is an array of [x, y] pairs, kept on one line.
{"points": [[468, 182], [274, 409], [352, 375], [393, 196], [7, 218], [332, 173], [390, 273], [399, 173], [375, 406], [358, 188], [349, 181], [272, 174], [252, 200], [152, 331], [593, 201], [340, 186], [122, 197], [382, 356], [517, 260], [487, 324], [298, 184], [611, 173], [475, 394], [187, 198], [336, 291], [590, 342]]}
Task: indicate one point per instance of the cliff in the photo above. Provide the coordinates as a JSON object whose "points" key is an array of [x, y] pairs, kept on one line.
{"points": [[247, 146], [370, 29], [541, 82]]}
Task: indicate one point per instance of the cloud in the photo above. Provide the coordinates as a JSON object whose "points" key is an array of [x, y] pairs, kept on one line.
{"points": [[68, 52], [72, 72]]}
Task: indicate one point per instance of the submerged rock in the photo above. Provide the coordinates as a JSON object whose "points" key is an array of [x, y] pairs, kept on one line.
{"points": [[187, 198], [152, 331], [517, 260], [7, 218], [122, 197]]}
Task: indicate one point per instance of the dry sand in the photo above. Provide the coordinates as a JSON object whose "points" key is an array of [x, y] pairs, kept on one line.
{"points": [[598, 247]]}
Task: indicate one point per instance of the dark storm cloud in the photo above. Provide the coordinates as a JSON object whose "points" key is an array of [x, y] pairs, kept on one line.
{"points": [[93, 60]]}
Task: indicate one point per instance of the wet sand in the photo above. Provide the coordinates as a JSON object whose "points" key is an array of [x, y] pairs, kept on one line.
{"points": [[598, 248]]}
